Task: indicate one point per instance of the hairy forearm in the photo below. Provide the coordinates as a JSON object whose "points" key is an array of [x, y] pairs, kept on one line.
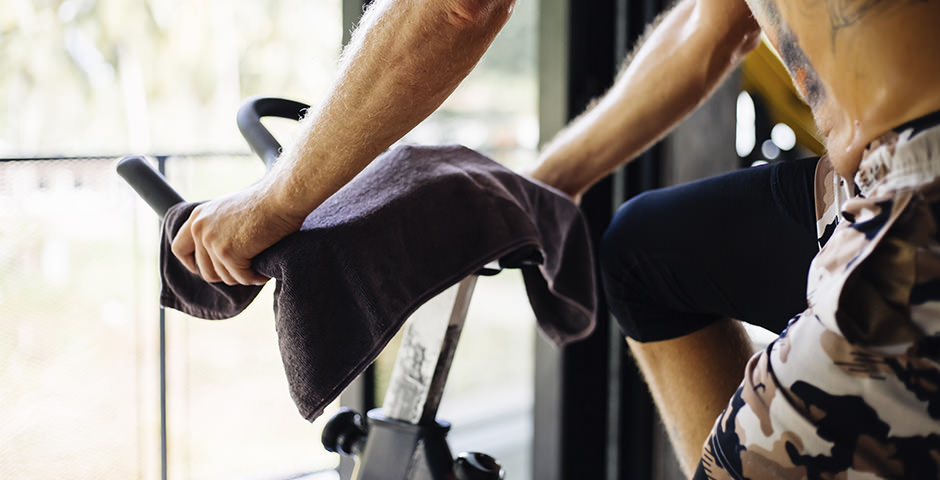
{"points": [[403, 61], [672, 72]]}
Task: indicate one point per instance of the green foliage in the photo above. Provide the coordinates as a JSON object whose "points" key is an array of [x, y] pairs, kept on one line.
{"points": [[152, 75]]}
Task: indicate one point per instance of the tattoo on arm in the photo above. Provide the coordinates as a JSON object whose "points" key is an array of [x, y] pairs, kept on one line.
{"points": [[845, 13], [794, 58], [842, 14], [801, 70]]}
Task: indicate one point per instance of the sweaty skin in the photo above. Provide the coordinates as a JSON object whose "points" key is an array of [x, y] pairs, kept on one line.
{"points": [[864, 66]]}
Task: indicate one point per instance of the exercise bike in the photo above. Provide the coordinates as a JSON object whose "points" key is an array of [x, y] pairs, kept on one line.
{"points": [[403, 439]]}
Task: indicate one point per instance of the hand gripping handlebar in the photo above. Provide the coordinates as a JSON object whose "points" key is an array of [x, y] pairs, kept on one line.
{"points": [[153, 187]]}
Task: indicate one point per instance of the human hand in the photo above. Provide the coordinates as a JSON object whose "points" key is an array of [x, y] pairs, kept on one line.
{"points": [[221, 236]]}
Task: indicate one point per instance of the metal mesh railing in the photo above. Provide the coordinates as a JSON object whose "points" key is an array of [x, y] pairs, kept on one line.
{"points": [[80, 383], [96, 383]]}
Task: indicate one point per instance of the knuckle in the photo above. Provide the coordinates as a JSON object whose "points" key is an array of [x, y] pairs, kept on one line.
{"points": [[199, 226], [224, 251]]}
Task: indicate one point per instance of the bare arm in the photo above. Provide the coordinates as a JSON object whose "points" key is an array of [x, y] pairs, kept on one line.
{"points": [[672, 72], [404, 59]]}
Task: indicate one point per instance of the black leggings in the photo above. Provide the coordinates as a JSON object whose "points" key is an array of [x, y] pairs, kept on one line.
{"points": [[736, 245]]}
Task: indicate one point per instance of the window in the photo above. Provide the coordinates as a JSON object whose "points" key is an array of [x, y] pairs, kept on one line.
{"points": [[86, 82]]}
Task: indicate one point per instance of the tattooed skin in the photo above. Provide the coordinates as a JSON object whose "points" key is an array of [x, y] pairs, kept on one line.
{"points": [[845, 13], [788, 46], [842, 14], [802, 72]]}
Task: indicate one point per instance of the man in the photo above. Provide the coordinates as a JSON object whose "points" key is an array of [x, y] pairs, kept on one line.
{"points": [[842, 70], [843, 56], [864, 66]]}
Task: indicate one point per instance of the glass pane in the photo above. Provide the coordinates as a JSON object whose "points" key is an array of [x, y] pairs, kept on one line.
{"points": [[154, 75], [79, 362], [229, 406], [78, 332]]}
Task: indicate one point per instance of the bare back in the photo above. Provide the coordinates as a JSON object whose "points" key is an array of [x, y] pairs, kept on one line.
{"points": [[864, 66]]}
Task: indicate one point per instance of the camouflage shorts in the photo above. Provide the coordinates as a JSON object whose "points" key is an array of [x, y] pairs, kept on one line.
{"points": [[851, 389]]}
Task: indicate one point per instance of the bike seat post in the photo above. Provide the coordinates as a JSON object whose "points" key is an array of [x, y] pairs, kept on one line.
{"points": [[425, 355], [404, 438]]}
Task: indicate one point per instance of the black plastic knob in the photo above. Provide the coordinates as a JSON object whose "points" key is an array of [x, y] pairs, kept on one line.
{"points": [[477, 466], [345, 432]]}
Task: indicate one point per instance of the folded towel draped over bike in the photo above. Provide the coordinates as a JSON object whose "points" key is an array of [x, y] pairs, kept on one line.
{"points": [[413, 223], [410, 233]]}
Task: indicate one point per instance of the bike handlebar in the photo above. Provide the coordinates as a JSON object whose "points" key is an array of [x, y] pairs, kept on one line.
{"points": [[148, 183], [153, 187], [259, 138]]}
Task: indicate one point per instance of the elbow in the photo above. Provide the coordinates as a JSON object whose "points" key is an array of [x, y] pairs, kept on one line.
{"points": [[746, 38], [728, 38], [740, 32], [485, 14]]}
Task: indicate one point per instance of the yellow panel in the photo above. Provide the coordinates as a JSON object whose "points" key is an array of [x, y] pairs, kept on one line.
{"points": [[763, 74]]}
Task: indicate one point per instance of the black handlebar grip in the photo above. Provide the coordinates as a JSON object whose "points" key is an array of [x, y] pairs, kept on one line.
{"points": [[148, 183], [258, 137]]}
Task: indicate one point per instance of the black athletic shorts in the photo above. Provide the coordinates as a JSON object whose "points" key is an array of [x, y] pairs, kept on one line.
{"points": [[737, 245]]}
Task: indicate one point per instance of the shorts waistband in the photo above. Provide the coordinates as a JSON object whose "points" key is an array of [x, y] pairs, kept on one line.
{"points": [[907, 157], [920, 124]]}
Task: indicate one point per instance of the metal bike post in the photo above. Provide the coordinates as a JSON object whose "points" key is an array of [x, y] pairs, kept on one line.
{"points": [[161, 167]]}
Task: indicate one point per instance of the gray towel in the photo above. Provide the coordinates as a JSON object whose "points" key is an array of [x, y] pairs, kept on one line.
{"points": [[414, 222]]}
